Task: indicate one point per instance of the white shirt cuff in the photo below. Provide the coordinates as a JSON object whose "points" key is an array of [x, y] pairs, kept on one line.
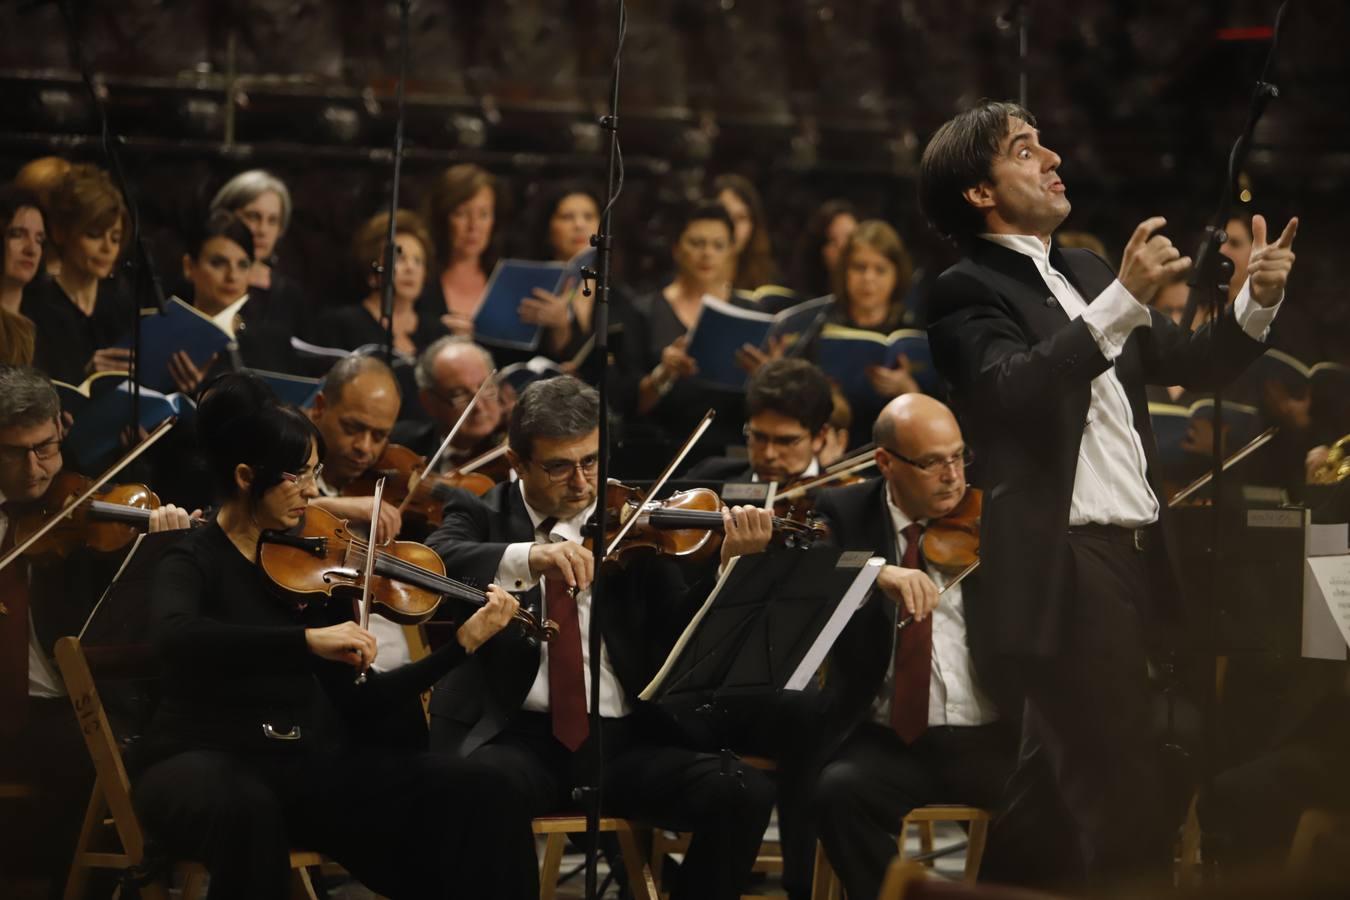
{"points": [[1112, 316], [1252, 317], [513, 572]]}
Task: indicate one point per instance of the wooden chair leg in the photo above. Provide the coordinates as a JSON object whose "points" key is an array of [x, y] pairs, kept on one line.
{"points": [[824, 883], [926, 840], [302, 888], [975, 840], [548, 874], [77, 882], [640, 880]]}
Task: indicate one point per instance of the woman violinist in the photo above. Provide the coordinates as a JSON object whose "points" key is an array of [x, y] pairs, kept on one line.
{"points": [[238, 766]]}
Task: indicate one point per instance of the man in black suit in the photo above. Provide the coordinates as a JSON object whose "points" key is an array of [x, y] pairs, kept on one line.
{"points": [[523, 708], [1048, 352], [909, 723], [788, 405]]}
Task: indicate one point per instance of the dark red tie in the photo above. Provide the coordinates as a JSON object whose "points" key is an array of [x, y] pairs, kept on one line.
{"points": [[13, 642], [566, 686], [913, 658]]}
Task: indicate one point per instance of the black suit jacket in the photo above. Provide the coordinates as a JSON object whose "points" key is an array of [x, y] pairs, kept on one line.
{"points": [[646, 606], [1021, 374], [859, 520]]}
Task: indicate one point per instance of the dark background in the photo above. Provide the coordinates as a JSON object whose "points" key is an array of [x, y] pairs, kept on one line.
{"points": [[809, 98]]}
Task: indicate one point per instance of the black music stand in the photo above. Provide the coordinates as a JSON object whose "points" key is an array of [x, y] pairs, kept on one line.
{"points": [[764, 629], [121, 618]]}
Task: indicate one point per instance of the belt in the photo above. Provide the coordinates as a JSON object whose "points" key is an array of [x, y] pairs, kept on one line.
{"points": [[1140, 539]]}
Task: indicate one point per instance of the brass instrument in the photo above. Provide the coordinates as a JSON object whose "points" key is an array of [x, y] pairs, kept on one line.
{"points": [[1336, 467]]}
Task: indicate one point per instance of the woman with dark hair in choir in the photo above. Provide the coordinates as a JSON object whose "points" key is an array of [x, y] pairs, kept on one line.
{"points": [[80, 313], [751, 263], [276, 303], [566, 216], [20, 262], [240, 763], [41, 177], [660, 371], [818, 248], [358, 324], [460, 211]]}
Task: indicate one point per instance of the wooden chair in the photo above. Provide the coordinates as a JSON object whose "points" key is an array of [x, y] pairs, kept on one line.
{"points": [[826, 885], [110, 814], [556, 829], [907, 880]]}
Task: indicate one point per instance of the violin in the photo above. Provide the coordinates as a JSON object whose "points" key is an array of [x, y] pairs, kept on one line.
{"points": [[407, 581], [402, 469], [107, 522], [686, 525], [951, 544], [797, 501]]}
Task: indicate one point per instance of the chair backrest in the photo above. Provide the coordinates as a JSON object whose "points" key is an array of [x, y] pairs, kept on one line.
{"points": [[101, 742]]}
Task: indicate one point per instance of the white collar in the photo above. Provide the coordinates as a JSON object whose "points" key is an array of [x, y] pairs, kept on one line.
{"points": [[1025, 244], [899, 519], [810, 471], [563, 529]]}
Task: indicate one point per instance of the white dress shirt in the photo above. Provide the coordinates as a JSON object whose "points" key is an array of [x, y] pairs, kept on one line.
{"points": [[954, 696], [43, 679], [1110, 486], [513, 574], [391, 644], [810, 471]]}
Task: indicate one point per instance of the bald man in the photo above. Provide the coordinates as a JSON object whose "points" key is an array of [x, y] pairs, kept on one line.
{"points": [[911, 724], [448, 374]]}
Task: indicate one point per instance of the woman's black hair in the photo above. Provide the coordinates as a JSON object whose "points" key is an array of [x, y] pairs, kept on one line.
{"points": [[705, 210], [240, 420], [221, 224], [13, 199], [545, 204]]}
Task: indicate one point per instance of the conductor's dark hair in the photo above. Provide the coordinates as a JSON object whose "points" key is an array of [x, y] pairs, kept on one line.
{"points": [[959, 156], [562, 407], [221, 224], [240, 420], [794, 388]]}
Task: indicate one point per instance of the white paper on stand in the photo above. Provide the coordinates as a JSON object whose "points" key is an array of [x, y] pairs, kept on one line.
{"points": [[1326, 607]]}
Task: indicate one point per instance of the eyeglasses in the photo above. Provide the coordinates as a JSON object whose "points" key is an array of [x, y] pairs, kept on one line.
{"points": [[461, 397], [933, 466], [308, 479], [782, 442], [559, 470], [18, 453]]}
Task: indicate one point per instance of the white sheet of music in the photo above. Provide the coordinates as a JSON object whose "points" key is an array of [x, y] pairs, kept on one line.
{"points": [[1326, 593]]}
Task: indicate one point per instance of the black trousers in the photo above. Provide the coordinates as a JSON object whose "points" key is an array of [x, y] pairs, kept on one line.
{"points": [[651, 780], [50, 754], [863, 793], [411, 826], [1087, 726]]}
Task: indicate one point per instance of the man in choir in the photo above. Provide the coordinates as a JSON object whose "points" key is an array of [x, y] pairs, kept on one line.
{"points": [[1048, 352], [789, 404], [524, 708], [909, 723], [40, 603], [449, 372]]}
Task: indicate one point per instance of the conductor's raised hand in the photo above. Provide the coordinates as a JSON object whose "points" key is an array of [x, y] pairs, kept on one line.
{"points": [[489, 619], [1150, 261], [911, 587], [346, 642], [746, 530], [567, 560], [1270, 264]]}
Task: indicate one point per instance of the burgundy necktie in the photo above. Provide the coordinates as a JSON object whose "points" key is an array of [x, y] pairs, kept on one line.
{"points": [[913, 658], [566, 684]]}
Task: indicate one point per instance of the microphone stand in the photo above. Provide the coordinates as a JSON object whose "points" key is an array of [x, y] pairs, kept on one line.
{"points": [[1208, 285], [387, 267], [139, 264], [589, 796]]}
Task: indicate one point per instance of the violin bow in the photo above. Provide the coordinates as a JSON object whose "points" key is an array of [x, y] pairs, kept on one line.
{"points": [[445, 444], [660, 482], [1238, 456], [160, 430], [840, 470], [363, 609], [478, 462]]}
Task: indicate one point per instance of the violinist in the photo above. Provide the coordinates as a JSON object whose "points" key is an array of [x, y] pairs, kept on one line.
{"points": [[38, 604], [523, 710], [789, 404], [238, 766], [449, 372], [909, 723]]}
